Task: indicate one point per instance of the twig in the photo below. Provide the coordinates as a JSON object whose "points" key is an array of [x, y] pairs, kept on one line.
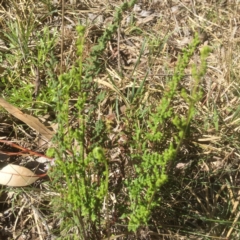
{"points": [[118, 51], [18, 215], [63, 5], [23, 152]]}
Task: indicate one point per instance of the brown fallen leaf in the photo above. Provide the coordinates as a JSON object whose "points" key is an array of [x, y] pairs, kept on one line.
{"points": [[17, 176], [31, 121]]}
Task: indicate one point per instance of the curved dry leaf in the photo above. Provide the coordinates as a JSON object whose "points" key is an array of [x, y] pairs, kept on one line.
{"points": [[28, 119], [17, 176]]}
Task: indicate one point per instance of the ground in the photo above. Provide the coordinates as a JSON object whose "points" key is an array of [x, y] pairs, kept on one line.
{"points": [[88, 83]]}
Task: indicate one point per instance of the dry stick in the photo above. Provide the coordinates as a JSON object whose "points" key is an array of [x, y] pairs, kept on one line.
{"points": [[63, 5], [24, 150], [233, 225], [37, 216], [18, 215], [36, 221], [37, 82], [118, 51], [234, 208]]}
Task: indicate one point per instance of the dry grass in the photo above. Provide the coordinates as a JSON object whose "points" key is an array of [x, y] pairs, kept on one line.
{"points": [[201, 198]]}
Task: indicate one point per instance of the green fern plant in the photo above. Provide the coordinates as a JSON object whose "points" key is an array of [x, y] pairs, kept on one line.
{"points": [[156, 147], [83, 170]]}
